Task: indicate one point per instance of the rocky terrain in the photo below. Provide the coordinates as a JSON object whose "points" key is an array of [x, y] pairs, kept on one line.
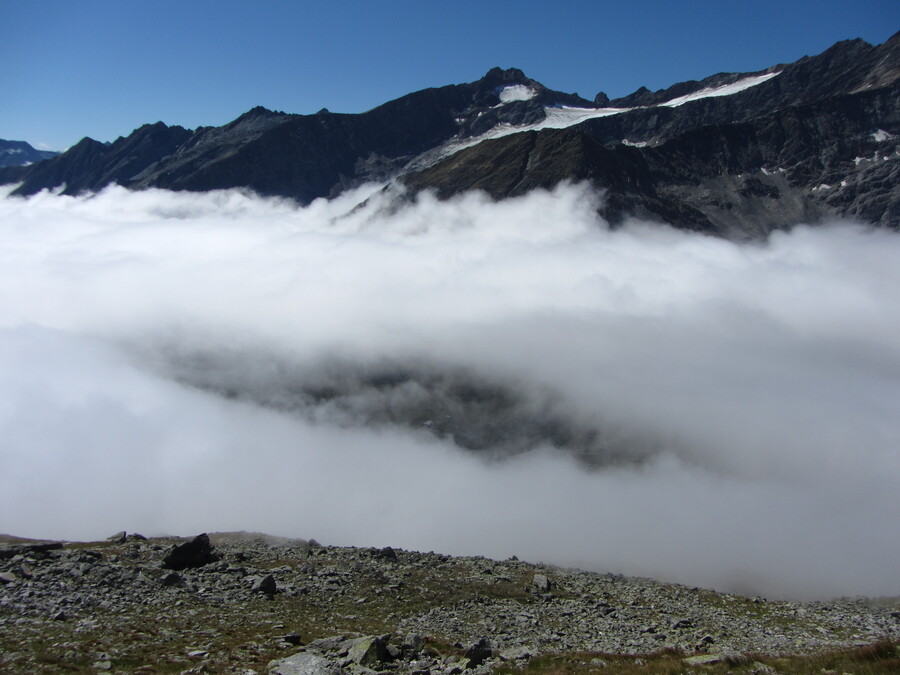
{"points": [[248, 603]]}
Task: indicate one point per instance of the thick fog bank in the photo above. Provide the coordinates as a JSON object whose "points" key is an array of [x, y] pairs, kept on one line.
{"points": [[468, 377]]}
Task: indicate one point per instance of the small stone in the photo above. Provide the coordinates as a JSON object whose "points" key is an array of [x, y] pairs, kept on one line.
{"points": [[329, 644], [387, 553], [414, 643], [266, 585], [516, 653], [478, 653], [7, 578], [118, 537], [541, 582], [703, 660], [293, 638], [59, 616], [172, 579], [720, 657]]}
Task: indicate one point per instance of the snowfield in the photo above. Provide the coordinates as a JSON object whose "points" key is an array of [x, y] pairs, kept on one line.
{"points": [[562, 117], [725, 90]]}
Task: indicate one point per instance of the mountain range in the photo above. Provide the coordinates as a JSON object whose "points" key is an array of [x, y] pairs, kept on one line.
{"points": [[20, 153], [735, 154]]}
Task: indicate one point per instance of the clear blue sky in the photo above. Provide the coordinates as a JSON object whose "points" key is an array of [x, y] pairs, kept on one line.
{"points": [[100, 68]]}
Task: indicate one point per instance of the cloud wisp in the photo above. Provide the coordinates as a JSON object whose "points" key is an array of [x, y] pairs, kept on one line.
{"points": [[464, 376]]}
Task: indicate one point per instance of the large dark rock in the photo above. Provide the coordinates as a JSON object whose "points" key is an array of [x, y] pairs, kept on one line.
{"points": [[195, 553], [478, 653]]}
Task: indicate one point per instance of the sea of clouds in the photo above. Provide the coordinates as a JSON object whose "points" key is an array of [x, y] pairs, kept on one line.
{"points": [[642, 400]]}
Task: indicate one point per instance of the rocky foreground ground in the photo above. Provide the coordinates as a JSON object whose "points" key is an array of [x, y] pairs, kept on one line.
{"points": [[246, 603]]}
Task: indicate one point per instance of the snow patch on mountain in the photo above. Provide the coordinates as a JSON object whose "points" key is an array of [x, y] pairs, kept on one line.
{"points": [[516, 92], [556, 118], [561, 117], [725, 90]]}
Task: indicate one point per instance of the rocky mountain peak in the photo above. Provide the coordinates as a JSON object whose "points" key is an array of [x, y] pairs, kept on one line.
{"points": [[499, 76]]}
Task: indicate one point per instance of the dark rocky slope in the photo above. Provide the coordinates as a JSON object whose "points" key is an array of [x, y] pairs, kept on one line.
{"points": [[820, 139], [798, 164], [298, 156]]}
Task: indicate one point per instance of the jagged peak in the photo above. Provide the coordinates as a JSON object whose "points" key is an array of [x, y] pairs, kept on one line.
{"points": [[86, 143], [497, 78], [513, 75], [256, 117], [838, 48], [257, 113], [151, 127]]}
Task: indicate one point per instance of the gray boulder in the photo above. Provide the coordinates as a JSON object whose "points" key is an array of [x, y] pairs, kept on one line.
{"points": [[304, 663], [369, 651], [541, 582]]}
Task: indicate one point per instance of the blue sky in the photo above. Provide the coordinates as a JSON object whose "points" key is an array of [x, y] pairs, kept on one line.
{"points": [[101, 68]]}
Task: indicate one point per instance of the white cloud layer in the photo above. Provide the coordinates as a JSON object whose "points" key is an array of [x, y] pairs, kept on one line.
{"points": [[751, 389]]}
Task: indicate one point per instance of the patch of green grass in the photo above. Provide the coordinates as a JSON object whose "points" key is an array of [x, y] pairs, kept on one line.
{"points": [[666, 662], [880, 658]]}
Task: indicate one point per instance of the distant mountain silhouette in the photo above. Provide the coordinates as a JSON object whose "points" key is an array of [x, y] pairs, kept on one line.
{"points": [[20, 153]]}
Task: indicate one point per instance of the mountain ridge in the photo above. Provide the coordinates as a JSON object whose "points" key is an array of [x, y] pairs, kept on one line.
{"points": [[428, 138]]}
